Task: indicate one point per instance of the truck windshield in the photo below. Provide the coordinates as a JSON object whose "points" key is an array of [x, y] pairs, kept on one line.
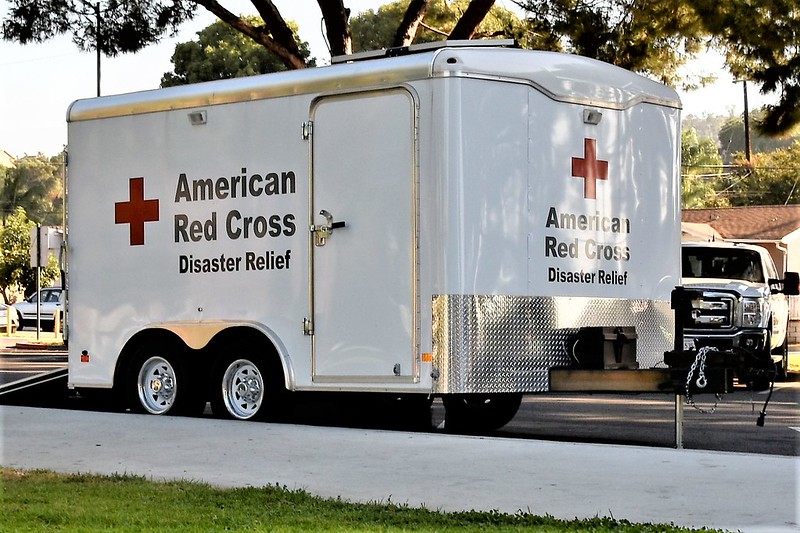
{"points": [[722, 263]]}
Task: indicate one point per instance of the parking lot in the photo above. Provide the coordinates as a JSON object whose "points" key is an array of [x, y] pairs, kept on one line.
{"points": [[633, 419]]}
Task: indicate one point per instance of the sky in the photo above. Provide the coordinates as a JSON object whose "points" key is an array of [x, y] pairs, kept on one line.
{"points": [[38, 82]]}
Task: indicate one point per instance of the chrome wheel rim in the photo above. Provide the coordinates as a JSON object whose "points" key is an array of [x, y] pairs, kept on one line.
{"points": [[157, 385], [242, 389]]}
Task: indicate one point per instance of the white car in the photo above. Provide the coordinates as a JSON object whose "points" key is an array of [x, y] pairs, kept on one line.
{"points": [[51, 299], [5, 312]]}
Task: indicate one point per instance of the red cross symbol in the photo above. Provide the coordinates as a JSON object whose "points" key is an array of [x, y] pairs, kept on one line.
{"points": [[136, 211], [589, 168]]}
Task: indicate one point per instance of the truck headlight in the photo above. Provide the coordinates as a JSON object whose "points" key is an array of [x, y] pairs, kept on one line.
{"points": [[751, 311]]}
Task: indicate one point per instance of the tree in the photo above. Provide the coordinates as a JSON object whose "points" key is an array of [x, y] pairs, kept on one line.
{"points": [[221, 52], [707, 126], [276, 36], [653, 38], [123, 26], [15, 248], [771, 178], [132, 25], [760, 40], [33, 183], [701, 172], [374, 30], [732, 137], [762, 44]]}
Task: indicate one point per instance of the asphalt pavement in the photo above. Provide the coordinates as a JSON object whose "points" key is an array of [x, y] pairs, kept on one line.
{"points": [[692, 488]]}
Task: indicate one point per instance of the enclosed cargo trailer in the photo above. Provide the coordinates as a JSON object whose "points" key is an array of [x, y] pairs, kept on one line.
{"points": [[453, 221]]}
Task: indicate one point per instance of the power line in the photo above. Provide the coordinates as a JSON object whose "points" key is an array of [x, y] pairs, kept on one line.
{"points": [[36, 59]]}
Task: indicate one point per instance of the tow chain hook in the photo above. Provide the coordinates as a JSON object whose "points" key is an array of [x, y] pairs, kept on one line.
{"points": [[701, 382]]}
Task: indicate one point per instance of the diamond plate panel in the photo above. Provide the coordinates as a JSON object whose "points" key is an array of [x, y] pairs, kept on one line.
{"points": [[490, 344]]}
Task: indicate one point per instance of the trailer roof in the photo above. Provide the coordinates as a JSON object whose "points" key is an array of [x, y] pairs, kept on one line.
{"points": [[561, 77]]}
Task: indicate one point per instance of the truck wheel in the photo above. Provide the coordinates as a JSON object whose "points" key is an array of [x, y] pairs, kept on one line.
{"points": [[158, 382], [242, 390], [479, 412], [782, 366]]}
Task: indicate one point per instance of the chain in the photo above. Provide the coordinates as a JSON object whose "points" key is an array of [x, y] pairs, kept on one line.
{"points": [[699, 365]]}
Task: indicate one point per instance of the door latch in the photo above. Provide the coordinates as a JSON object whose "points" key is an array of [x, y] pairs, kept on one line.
{"points": [[323, 232]]}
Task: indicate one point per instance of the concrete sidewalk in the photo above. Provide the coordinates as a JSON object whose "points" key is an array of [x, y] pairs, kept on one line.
{"points": [[566, 480]]}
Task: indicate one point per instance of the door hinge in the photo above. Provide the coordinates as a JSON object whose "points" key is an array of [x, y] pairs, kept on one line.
{"points": [[307, 130], [308, 326]]}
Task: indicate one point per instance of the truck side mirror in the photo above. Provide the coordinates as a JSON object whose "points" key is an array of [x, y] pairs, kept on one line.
{"points": [[789, 285]]}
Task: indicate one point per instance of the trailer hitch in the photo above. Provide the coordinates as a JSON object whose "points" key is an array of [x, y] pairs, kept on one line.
{"points": [[323, 232]]}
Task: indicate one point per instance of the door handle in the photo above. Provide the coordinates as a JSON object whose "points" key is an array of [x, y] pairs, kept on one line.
{"points": [[329, 220], [323, 232]]}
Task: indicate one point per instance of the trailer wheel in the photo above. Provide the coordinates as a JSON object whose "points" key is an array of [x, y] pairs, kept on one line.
{"points": [[479, 412], [158, 382], [156, 385], [242, 390]]}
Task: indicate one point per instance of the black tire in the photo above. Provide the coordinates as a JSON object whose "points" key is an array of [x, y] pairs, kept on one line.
{"points": [[158, 380], [479, 412], [782, 367], [247, 385]]}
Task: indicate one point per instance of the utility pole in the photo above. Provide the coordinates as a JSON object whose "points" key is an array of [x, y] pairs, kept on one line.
{"points": [[746, 123], [97, 43]]}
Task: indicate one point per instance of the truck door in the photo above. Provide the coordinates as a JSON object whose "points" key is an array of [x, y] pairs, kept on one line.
{"points": [[363, 238]]}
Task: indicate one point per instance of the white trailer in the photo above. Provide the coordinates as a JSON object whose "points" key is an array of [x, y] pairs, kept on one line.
{"points": [[439, 223]]}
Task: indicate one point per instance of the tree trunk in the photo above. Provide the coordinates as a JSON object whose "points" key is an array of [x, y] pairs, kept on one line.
{"points": [[282, 42], [277, 26], [411, 21], [468, 24], [337, 26]]}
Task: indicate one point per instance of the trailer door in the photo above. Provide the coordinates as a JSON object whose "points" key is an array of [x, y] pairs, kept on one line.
{"points": [[363, 311]]}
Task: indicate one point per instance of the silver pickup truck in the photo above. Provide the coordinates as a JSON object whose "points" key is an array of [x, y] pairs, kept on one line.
{"points": [[739, 302]]}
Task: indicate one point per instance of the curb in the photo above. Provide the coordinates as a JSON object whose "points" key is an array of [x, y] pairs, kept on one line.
{"points": [[37, 346]]}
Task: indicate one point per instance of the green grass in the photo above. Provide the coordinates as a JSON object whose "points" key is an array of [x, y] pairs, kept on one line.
{"points": [[45, 501]]}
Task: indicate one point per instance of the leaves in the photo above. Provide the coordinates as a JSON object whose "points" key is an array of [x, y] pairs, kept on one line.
{"points": [[375, 30], [701, 172], [653, 38], [15, 249], [769, 179], [124, 26], [761, 42], [33, 183], [221, 52]]}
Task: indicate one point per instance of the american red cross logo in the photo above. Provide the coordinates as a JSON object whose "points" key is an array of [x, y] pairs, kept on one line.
{"points": [[589, 168], [136, 211]]}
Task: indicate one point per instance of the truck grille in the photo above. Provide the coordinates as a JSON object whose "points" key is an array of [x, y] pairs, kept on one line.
{"points": [[710, 311]]}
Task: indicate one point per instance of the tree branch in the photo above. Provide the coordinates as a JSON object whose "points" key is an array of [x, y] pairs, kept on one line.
{"points": [[468, 24], [337, 26], [276, 25], [288, 53], [411, 22]]}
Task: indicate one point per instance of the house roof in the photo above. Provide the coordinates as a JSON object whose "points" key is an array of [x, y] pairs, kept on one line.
{"points": [[692, 231], [750, 223]]}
